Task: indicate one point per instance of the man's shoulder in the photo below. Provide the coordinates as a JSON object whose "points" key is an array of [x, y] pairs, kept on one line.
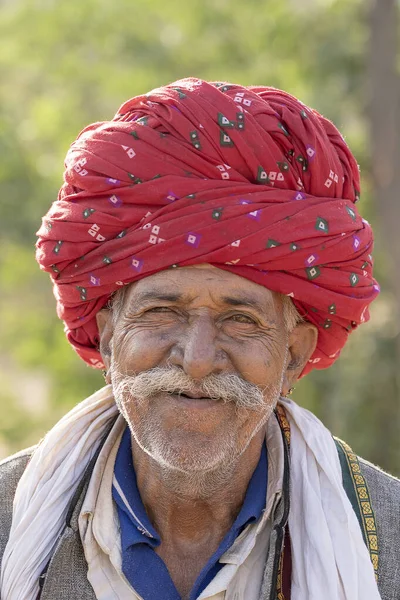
{"points": [[367, 478], [11, 469], [377, 477], [384, 493], [384, 490]]}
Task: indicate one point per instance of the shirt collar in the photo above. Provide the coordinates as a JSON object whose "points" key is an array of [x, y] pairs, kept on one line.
{"points": [[136, 527]]}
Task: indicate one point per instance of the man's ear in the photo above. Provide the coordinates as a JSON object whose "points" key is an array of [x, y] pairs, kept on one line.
{"points": [[302, 342], [106, 330]]}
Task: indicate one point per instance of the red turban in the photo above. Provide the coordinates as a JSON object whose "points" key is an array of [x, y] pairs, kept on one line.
{"points": [[247, 179]]}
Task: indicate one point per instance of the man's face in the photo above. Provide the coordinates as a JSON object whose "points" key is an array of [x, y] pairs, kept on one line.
{"points": [[212, 333]]}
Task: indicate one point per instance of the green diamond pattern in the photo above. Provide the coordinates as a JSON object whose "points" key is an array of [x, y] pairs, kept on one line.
{"points": [[353, 279], [332, 309], [225, 122], [313, 272], [262, 175], [107, 260], [240, 121], [181, 94], [283, 128], [87, 212], [351, 212], [294, 247], [134, 179], [82, 292], [321, 225], [303, 161], [57, 247], [194, 138], [217, 214], [225, 140], [283, 166], [272, 243]]}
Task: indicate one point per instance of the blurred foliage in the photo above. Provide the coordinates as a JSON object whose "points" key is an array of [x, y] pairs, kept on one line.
{"points": [[65, 64]]}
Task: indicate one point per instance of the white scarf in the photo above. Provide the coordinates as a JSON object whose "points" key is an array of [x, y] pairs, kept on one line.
{"points": [[330, 559]]}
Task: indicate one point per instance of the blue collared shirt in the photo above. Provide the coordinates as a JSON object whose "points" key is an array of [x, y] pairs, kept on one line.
{"points": [[143, 568]]}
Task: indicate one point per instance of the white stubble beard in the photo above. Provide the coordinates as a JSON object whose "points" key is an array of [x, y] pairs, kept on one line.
{"points": [[205, 470]]}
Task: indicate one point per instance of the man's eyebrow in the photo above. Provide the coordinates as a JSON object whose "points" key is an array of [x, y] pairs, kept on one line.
{"points": [[244, 300], [152, 295], [236, 300]]}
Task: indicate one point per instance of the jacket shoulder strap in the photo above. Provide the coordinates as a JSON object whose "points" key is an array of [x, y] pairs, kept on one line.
{"points": [[357, 492]]}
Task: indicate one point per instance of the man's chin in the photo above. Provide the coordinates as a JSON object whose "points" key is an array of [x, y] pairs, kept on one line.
{"points": [[190, 453]]}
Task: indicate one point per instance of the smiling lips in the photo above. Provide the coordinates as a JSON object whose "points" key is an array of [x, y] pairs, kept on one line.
{"points": [[193, 395], [195, 400]]}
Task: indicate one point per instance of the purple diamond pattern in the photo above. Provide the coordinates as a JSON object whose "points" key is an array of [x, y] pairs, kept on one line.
{"points": [[94, 280], [115, 201], [310, 151], [171, 197], [193, 239], [299, 196], [311, 260], [136, 264], [254, 214]]}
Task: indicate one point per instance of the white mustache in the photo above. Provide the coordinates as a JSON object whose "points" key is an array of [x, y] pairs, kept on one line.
{"points": [[227, 387]]}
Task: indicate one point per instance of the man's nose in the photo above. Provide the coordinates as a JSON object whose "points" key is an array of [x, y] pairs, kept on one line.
{"points": [[201, 355]]}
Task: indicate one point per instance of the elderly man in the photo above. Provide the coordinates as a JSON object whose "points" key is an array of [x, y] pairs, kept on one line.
{"points": [[206, 252]]}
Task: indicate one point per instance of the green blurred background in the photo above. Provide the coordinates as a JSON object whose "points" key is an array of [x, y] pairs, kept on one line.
{"points": [[66, 64]]}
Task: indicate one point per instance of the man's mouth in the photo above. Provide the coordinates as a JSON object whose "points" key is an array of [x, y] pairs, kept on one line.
{"points": [[194, 399], [194, 395]]}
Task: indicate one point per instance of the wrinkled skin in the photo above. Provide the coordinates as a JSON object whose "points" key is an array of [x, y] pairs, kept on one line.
{"points": [[194, 458]]}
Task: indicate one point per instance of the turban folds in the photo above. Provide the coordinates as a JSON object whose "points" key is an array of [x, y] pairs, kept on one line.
{"points": [[247, 179]]}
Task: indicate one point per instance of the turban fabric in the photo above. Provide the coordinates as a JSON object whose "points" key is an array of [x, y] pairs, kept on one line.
{"points": [[247, 179]]}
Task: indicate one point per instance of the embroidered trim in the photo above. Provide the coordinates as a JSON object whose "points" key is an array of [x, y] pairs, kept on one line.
{"points": [[283, 422], [363, 509], [279, 590], [279, 580], [285, 427]]}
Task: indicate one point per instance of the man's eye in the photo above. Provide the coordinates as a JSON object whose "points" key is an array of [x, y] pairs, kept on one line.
{"points": [[158, 309], [242, 319]]}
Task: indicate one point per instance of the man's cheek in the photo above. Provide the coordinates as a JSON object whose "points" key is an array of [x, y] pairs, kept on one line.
{"points": [[137, 351]]}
